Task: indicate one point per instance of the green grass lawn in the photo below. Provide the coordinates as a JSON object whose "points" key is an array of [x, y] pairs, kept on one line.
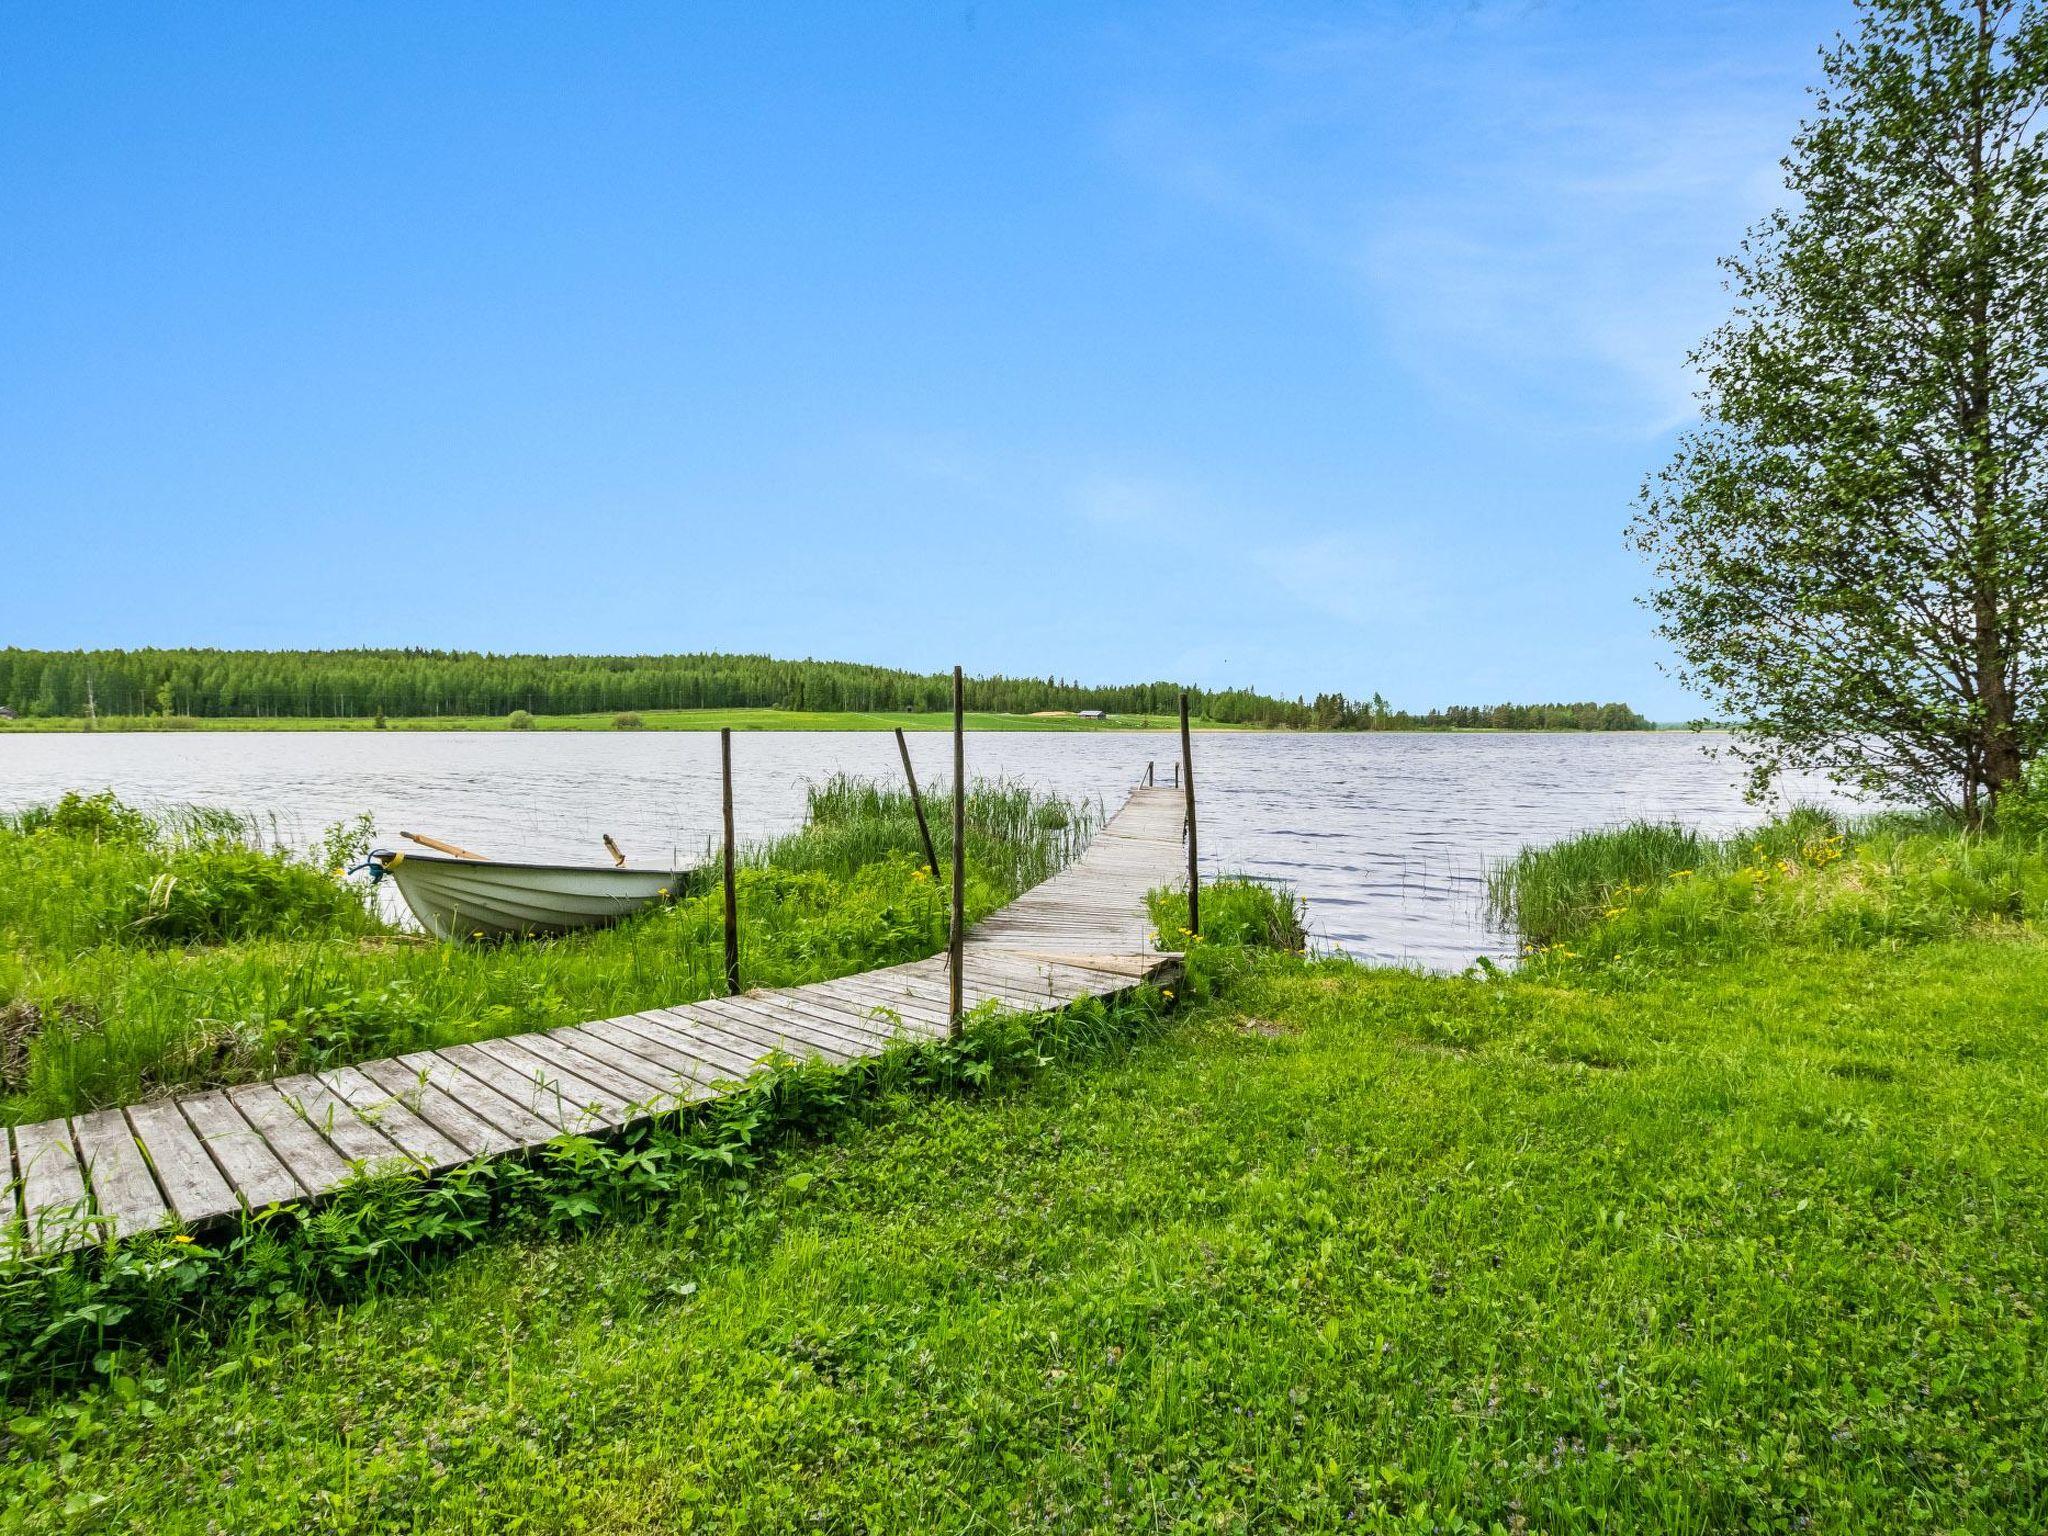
{"points": [[1755, 1242], [650, 719]]}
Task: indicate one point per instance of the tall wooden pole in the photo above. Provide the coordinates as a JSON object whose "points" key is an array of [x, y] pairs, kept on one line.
{"points": [[732, 896], [1187, 779], [924, 830], [958, 938]]}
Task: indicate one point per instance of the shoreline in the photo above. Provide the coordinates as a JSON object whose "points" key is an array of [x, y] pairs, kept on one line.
{"points": [[734, 719]]}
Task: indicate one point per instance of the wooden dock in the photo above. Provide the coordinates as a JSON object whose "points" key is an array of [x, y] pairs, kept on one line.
{"points": [[202, 1157]]}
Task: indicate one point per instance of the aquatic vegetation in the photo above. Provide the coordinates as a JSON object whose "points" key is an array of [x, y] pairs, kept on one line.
{"points": [[1805, 877]]}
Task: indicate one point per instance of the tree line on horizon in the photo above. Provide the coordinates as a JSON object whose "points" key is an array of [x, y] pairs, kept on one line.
{"points": [[361, 684]]}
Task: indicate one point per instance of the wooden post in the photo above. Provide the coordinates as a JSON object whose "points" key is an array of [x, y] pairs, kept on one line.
{"points": [[924, 830], [732, 897], [957, 940], [1187, 779], [1148, 775]]}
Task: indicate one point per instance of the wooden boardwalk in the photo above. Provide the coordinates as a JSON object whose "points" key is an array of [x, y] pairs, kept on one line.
{"points": [[201, 1157]]}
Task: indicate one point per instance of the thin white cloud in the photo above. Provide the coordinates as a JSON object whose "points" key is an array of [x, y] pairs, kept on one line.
{"points": [[1531, 232], [1337, 576]]}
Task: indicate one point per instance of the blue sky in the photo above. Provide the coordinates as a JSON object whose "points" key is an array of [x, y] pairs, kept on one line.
{"points": [[1301, 347]]}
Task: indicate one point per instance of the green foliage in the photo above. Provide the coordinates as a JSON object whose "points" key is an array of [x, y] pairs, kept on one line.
{"points": [[1851, 550], [142, 955], [418, 683], [1242, 918], [348, 685], [1016, 836], [1238, 912], [1543, 894], [2023, 810], [1334, 712], [1753, 1246], [519, 720], [626, 720], [91, 871], [99, 817], [1809, 878]]}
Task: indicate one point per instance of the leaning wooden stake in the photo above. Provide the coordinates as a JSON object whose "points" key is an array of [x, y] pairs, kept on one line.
{"points": [[1187, 779], [732, 896], [956, 943], [924, 830]]}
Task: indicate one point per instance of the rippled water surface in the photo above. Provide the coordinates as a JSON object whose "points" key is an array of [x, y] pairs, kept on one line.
{"points": [[1388, 836]]}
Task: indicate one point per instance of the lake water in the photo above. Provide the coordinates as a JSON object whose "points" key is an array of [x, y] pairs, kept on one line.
{"points": [[1389, 836]]}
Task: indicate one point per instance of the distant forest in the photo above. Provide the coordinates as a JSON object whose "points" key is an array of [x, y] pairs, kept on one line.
{"points": [[362, 683]]}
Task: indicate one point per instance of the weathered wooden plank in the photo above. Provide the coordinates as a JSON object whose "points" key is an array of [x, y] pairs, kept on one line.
{"points": [[309, 1156], [732, 1065], [239, 1150], [666, 1050], [1020, 978], [1071, 983], [567, 1106], [124, 1192], [660, 1084], [408, 1095], [53, 1201], [925, 1000], [195, 1187], [849, 1015], [851, 1018], [359, 1143], [1133, 967], [715, 1030], [511, 1100], [625, 1094], [975, 992], [773, 1031], [854, 1021]]}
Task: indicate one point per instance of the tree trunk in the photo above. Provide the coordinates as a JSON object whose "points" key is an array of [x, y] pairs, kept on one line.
{"points": [[1997, 751]]}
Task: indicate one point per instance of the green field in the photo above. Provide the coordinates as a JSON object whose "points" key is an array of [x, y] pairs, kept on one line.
{"points": [[1755, 1246], [652, 720], [1728, 1212]]}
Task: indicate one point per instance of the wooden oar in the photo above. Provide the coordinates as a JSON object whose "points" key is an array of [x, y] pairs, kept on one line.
{"points": [[440, 847], [613, 849]]}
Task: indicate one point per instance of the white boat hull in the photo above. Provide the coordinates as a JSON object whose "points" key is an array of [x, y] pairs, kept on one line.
{"points": [[487, 898]]}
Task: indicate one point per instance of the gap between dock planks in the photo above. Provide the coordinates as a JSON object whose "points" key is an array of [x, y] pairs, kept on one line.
{"points": [[200, 1157]]}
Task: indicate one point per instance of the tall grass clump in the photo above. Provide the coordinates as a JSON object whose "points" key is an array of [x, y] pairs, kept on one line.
{"points": [[1243, 919], [90, 870], [1807, 877], [1016, 836], [1545, 893]]}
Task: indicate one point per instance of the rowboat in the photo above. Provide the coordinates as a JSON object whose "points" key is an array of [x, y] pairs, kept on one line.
{"points": [[473, 898]]}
